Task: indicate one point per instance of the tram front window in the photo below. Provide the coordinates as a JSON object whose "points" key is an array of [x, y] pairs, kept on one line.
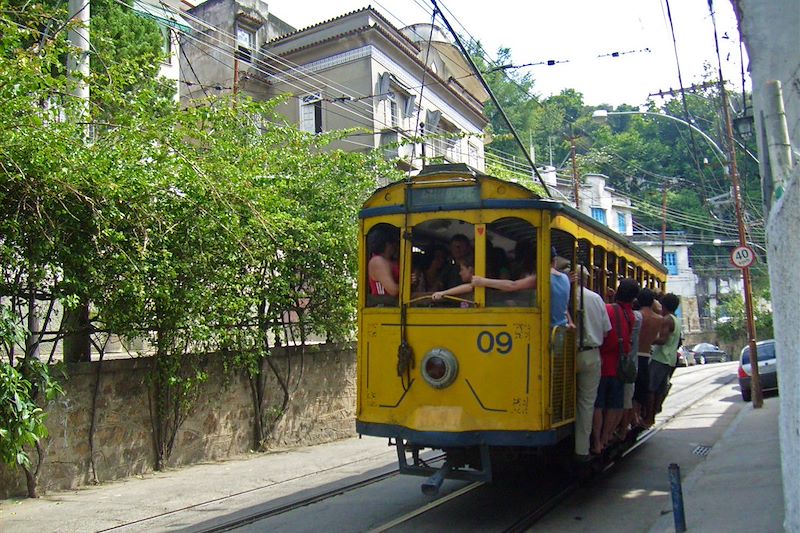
{"points": [[383, 268], [444, 259], [511, 255], [440, 248]]}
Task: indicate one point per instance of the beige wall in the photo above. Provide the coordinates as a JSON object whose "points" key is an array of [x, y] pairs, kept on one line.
{"points": [[218, 427], [350, 79]]}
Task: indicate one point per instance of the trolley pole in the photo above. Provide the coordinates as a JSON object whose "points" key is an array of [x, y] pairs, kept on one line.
{"points": [[663, 220], [575, 184], [485, 84]]}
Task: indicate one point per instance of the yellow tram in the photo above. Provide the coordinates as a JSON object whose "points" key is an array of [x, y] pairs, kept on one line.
{"points": [[483, 372]]}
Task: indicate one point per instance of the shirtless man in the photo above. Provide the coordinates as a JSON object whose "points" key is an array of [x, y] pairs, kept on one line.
{"points": [[650, 333]]}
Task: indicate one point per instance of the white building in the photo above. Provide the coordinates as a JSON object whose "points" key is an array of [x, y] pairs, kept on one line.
{"points": [[681, 279], [605, 205], [170, 22], [359, 71], [353, 72]]}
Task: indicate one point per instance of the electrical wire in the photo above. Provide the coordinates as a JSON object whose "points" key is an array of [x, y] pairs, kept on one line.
{"points": [[516, 165], [366, 116]]}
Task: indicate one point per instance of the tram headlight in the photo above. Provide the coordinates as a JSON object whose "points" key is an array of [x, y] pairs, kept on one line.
{"points": [[439, 368]]}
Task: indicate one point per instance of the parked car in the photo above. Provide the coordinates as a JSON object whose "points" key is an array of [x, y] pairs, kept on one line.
{"points": [[767, 368], [708, 353], [684, 358]]}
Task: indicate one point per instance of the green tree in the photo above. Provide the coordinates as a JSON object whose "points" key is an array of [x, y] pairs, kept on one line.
{"points": [[209, 229], [733, 327], [514, 92], [22, 420]]}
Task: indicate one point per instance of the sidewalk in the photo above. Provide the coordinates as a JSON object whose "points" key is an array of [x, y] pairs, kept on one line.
{"points": [[739, 487], [736, 487], [199, 490]]}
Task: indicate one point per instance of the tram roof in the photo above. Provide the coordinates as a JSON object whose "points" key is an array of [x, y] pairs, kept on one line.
{"points": [[526, 199]]}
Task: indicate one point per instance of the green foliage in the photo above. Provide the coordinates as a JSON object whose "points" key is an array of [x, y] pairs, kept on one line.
{"points": [[733, 328], [638, 153], [515, 94], [21, 417], [127, 56], [119, 35], [213, 228]]}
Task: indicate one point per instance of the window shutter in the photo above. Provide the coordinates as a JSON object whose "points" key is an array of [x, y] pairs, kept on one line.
{"points": [[384, 84], [409, 107], [432, 120]]}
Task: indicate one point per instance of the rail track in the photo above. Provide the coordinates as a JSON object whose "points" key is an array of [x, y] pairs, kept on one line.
{"points": [[545, 503]]}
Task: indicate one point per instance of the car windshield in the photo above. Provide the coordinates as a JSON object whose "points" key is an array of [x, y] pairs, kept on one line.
{"points": [[765, 351]]}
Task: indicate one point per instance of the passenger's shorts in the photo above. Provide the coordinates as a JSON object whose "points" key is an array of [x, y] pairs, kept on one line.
{"points": [[610, 393], [659, 377], [642, 379], [627, 398]]}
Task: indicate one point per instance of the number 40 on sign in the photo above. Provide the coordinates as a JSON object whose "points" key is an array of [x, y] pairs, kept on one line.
{"points": [[743, 256]]}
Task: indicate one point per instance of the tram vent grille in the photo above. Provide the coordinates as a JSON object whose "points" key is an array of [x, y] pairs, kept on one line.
{"points": [[562, 367]]}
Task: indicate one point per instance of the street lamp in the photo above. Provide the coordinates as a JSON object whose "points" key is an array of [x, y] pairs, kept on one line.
{"points": [[602, 114], [720, 242]]}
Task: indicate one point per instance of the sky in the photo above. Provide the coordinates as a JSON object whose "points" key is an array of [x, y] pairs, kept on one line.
{"points": [[576, 34]]}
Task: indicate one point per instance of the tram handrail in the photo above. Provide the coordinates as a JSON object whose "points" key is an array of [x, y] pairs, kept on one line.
{"points": [[447, 296]]}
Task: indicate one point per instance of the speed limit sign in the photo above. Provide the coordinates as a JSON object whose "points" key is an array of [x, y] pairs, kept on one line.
{"points": [[743, 256]]}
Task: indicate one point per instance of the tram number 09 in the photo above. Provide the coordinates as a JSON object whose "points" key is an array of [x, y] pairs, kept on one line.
{"points": [[502, 343]]}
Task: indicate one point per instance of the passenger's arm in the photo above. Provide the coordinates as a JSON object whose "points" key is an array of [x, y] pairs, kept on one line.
{"points": [[506, 285], [452, 291]]}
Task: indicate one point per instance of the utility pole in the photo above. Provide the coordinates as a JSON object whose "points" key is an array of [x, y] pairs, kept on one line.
{"points": [[755, 382], [78, 62], [755, 388], [77, 343], [235, 79]]}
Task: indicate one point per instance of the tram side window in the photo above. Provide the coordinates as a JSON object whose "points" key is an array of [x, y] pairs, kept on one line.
{"points": [[584, 258], [511, 255], [599, 274], [612, 279], [560, 287], [383, 268]]}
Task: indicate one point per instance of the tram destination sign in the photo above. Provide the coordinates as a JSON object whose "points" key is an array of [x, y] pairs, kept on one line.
{"points": [[743, 257], [445, 197]]}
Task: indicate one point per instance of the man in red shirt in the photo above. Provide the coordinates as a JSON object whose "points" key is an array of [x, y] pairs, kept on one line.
{"points": [[610, 393]]}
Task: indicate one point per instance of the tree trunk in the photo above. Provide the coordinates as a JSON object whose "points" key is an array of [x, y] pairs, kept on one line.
{"points": [[77, 343], [92, 464], [32, 476]]}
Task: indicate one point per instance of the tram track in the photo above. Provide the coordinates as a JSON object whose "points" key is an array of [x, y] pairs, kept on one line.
{"points": [[291, 506], [384, 473], [548, 502], [562, 492], [530, 519]]}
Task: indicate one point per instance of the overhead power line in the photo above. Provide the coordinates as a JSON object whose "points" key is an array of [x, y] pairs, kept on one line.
{"points": [[551, 62]]}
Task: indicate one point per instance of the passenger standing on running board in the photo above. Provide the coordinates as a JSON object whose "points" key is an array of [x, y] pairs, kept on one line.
{"points": [[665, 356], [652, 324], [611, 391], [594, 326]]}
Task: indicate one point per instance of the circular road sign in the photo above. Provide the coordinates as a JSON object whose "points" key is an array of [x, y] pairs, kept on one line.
{"points": [[743, 257]]}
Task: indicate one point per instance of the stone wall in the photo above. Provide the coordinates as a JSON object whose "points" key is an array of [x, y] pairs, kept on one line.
{"points": [[219, 426]]}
